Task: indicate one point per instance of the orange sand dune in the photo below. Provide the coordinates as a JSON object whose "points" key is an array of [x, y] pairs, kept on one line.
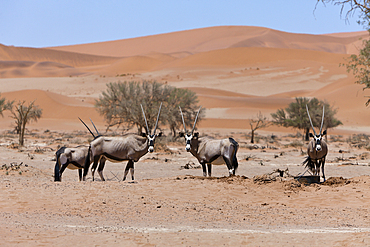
{"points": [[214, 38], [134, 64], [61, 111], [246, 56], [235, 71], [11, 69], [10, 53]]}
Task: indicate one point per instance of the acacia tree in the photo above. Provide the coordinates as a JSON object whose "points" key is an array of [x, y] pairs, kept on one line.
{"points": [[188, 101], [23, 115], [120, 105], [258, 123], [295, 115]]}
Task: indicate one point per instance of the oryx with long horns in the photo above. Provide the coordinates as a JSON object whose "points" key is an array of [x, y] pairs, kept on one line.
{"points": [[210, 151], [72, 158], [129, 147], [317, 148]]}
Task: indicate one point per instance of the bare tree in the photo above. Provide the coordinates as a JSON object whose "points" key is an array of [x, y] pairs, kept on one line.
{"points": [[349, 8], [23, 115], [258, 123]]}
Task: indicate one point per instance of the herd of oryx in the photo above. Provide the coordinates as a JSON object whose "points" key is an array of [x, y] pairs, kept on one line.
{"points": [[131, 147]]}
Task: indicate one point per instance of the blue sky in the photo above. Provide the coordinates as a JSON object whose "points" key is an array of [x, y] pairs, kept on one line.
{"points": [[43, 23]]}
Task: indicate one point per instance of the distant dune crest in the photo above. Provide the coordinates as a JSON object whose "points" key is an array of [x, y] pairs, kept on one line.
{"points": [[236, 72], [159, 51]]}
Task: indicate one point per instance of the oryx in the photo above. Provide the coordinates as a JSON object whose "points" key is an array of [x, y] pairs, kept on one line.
{"points": [[71, 158], [209, 151], [317, 149], [129, 147]]}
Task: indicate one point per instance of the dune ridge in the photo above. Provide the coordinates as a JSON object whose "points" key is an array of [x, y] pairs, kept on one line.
{"points": [[236, 71], [214, 38]]}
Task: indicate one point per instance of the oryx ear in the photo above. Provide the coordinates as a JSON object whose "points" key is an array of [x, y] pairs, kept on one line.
{"points": [[143, 134], [311, 135], [160, 134], [181, 134], [196, 134], [324, 133]]}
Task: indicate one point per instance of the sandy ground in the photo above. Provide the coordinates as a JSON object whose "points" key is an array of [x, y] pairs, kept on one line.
{"points": [[168, 205]]}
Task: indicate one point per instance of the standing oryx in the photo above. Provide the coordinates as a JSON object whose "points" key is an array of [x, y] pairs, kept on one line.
{"points": [[72, 158], [209, 151], [129, 147], [317, 149]]}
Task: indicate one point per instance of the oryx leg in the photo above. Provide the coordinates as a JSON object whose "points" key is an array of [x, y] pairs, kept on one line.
{"points": [[80, 174], [64, 166], [228, 157], [322, 168], [101, 167], [129, 167], [229, 166], [209, 166], [204, 169], [93, 168]]}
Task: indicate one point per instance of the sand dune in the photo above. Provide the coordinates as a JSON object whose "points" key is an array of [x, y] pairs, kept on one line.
{"points": [[214, 38], [236, 72], [247, 56], [10, 53], [134, 64], [61, 111]]}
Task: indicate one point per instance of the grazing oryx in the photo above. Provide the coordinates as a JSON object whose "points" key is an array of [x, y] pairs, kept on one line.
{"points": [[129, 147], [317, 149], [72, 158], [209, 151]]}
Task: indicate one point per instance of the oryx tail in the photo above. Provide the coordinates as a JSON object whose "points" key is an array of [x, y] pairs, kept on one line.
{"points": [[235, 163], [57, 176]]}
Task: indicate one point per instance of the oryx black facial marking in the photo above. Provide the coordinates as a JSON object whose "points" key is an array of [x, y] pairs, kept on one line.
{"points": [[317, 149], [130, 147], [209, 151]]}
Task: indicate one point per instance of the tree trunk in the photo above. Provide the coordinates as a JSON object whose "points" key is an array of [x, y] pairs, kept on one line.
{"points": [[21, 134], [307, 136], [173, 130], [252, 137]]}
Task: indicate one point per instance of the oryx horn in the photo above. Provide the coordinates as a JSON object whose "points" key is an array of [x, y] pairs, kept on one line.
{"points": [[182, 116], [195, 121], [95, 127], [310, 120], [87, 127], [156, 123], [147, 128], [322, 120]]}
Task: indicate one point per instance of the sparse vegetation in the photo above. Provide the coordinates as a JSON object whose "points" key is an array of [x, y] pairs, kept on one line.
{"points": [[259, 122], [23, 115], [120, 105], [295, 115]]}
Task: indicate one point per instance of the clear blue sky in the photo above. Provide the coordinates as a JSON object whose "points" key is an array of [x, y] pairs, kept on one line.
{"points": [[43, 23]]}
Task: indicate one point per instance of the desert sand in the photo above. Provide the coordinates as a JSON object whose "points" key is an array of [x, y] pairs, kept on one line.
{"points": [[236, 72]]}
